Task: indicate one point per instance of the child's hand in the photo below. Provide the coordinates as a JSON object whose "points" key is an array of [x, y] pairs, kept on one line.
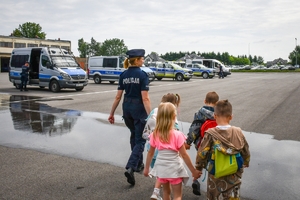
{"points": [[187, 146], [246, 165], [146, 172], [196, 174]]}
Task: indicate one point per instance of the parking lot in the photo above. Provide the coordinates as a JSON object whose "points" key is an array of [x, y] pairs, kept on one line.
{"points": [[262, 102]]}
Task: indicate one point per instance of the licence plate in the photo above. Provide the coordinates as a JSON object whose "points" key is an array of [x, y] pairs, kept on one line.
{"points": [[78, 85]]}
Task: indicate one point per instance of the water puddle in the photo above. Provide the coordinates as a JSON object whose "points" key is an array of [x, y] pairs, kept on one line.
{"points": [[27, 122]]}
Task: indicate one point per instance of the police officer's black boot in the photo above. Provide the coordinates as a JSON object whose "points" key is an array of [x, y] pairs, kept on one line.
{"points": [[130, 176], [25, 89]]}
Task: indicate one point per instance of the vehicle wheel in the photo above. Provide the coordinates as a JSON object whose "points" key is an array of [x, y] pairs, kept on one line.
{"points": [[42, 87], [225, 75], [79, 89], [179, 77], [97, 79], [111, 82], [159, 79], [151, 79], [205, 75], [54, 86]]}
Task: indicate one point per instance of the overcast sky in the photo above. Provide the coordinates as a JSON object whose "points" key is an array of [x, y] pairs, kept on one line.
{"points": [[265, 28]]}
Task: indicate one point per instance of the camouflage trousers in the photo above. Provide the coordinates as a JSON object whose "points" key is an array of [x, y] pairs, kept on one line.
{"points": [[227, 187]]}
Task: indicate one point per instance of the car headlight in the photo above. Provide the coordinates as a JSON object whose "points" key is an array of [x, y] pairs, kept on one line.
{"points": [[65, 76]]}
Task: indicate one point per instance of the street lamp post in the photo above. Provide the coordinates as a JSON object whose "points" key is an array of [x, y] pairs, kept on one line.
{"points": [[296, 51]]}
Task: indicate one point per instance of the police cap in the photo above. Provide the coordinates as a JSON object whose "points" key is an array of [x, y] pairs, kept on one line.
{"points": [[135, 53]]}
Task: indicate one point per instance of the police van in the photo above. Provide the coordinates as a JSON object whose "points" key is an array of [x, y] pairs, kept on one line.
{"points": [[50, 67], [109, 68], [210, 63]]}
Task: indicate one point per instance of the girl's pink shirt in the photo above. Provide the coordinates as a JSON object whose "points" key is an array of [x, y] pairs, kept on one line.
{"points": [[177, 139]]}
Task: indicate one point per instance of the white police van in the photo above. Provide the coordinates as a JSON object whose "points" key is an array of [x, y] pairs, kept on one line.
{"points": [[50, 67], [109, 68], [211, 63]]}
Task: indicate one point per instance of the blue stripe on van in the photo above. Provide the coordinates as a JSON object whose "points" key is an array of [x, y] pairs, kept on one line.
{"points": [[46, 76], [112, 72]]}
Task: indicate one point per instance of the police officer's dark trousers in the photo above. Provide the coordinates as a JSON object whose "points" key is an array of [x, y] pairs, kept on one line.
{"points": [[134, 115], [24, 80]]}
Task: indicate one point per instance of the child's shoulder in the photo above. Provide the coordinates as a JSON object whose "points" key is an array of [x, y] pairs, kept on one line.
{"points": [[237, 129], [177, 132]]}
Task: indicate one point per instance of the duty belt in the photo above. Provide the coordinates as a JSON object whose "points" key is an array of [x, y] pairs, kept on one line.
{"points": [[130, 100]]}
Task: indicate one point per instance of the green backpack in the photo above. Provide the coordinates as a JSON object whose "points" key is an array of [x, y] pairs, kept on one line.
{"points": [[221, 164]]}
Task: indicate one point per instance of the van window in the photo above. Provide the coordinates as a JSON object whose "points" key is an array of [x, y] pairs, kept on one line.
{"points": [[110, 62], [18, 60], [207, 63], [45, 59]]}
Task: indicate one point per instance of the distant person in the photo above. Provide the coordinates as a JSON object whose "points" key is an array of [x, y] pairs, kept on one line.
{"points": [[225, 139], [221, 72], [24, 76], [149, 128], [169, 168], [203, 119], [136, 107]]}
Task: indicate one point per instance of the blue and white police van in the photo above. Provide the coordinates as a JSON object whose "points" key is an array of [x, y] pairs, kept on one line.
{"points": [[109, 68], [50, 67]]}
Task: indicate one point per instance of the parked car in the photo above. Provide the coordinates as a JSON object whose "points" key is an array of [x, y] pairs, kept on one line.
{"points": [[288, 67], [258, 67], [170, 70], [201, 70]]}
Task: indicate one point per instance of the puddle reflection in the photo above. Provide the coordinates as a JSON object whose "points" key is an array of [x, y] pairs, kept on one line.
{"points": [[29, 115], [26, 123]]}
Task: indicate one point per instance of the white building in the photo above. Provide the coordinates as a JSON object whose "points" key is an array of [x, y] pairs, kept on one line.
{"points": [[8, 43]]}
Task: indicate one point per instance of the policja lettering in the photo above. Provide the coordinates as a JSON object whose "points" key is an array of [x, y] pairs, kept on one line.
{"points": [[131, 80]]}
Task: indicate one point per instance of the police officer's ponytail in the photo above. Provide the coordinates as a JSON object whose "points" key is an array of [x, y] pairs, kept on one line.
{"points": [[126, 63], [130, 62]]}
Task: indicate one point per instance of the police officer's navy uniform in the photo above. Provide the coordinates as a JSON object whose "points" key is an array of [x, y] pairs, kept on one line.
{"points": [[133, 81], [24, 77]]}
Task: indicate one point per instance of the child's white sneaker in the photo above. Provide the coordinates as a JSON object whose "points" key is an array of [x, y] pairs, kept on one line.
{"points": [[155, 196]]}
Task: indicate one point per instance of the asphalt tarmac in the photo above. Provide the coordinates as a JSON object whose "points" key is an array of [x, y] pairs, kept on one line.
{"points": [[264, 103]]}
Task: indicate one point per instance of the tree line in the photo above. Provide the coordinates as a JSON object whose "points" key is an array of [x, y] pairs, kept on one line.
{"points": [[115, 46], [224, 57]]}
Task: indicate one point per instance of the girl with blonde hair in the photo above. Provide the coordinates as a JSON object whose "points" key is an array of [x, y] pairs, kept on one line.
{"points": [[169, 168]]}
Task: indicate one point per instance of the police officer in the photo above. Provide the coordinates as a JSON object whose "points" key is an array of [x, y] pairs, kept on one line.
{"points": [[24, 76], [136, 107]]}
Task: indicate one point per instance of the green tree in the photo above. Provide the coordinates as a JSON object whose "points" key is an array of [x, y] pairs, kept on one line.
{"points": [[260, 60], [94, 48], [113, 47], [29, 30], [295, 54], [83, 48]]}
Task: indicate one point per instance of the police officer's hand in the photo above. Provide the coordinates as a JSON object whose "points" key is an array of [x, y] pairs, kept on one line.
{"points": [[111, 119]]}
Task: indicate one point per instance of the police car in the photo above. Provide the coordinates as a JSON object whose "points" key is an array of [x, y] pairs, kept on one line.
{"points": [[201, 70], [109, 68], [171, 70]]}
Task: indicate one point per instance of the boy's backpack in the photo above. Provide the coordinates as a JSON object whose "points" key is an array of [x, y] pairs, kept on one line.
{"points": [[221, 164], [209, 123]]}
